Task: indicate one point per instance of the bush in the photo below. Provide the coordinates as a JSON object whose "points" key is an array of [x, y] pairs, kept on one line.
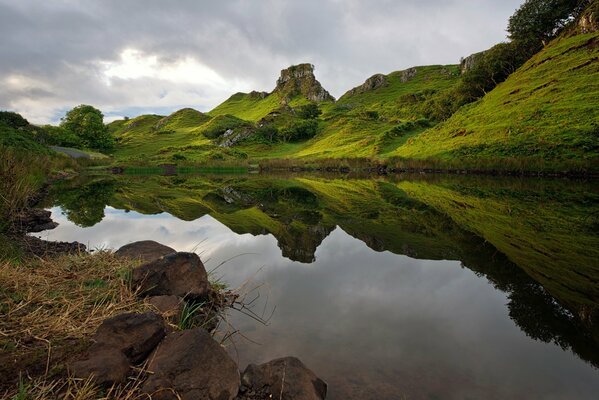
{"points": [[300, 130], [87, 123], [309, 111], [267, 134], [13, 120], [370, 115], [58, 136]]}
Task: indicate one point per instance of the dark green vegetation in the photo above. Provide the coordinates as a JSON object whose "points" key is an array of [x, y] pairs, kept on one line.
{"points": [[535, 240]]}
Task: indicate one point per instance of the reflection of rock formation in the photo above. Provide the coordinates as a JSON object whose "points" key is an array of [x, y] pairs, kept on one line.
{"points": [[301, 246]]}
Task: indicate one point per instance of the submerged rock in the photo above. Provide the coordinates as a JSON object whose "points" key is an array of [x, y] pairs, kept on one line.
{"points": [[284, 378], [191, 365], [145, 250], [178, 274]]}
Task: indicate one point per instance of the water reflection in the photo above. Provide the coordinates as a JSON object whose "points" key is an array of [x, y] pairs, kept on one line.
{"points": [[358, 271]]}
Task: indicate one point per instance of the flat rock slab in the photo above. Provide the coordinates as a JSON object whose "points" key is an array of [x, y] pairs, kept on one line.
{"points": [[176, 274], [284, 378], [145, 250], [191, 365]]}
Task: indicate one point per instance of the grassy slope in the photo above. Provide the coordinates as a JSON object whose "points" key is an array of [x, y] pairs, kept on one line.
{"points": [[348, 132], [549, 109]]}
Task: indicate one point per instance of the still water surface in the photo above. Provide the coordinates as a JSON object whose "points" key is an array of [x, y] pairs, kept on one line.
{"points": [[450, 289]]}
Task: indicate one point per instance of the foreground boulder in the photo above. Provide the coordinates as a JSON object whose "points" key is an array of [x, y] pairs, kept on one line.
{"points": [[191, 365], [284, 378], [176, 274], [105, 367], [119, 342], [168, 306], [145, 250]]}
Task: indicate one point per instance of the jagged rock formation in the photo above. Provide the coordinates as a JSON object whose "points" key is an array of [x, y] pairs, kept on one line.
{"points": [[467, 63], [408, 74], [300, 80], [374, 82]]}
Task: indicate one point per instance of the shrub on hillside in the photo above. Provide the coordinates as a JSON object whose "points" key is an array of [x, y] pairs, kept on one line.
{"points": [[87, 123], [13, 119], [218, 125], [309, 111], [300, 130]]}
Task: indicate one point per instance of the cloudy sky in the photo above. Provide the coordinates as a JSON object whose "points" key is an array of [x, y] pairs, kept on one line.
{"points": [[129, 57]]}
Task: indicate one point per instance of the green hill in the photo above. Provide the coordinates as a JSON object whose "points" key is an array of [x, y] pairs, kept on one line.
{"points": [[546, 112]]}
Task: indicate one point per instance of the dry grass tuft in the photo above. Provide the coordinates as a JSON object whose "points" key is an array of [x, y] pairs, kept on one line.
{"points": [[48, 310]]}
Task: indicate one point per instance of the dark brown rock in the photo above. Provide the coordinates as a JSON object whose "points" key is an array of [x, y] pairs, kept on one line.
{"points": [[190, 365], [106, 366], [135, 335], [145, 250], [178, 274], [167, 305], [285, 378]]}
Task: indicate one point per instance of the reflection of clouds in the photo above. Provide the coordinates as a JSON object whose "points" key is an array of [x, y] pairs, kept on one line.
{"points": [[374, 325]]}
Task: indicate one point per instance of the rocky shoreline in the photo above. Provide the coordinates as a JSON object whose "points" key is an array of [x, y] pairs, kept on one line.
{"points": [[170, 358]]}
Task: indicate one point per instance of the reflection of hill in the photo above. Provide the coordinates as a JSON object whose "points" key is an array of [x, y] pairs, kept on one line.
{"points": [[536, 243]]}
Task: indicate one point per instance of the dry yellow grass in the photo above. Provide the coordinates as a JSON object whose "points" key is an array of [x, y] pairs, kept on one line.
{"points": [[48, 310]]}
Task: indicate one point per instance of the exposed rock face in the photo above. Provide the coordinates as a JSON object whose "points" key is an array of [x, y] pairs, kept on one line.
{"points": [[178, 274], [43, 248], [467, 63], [589, 21], [145, 250], [300, 80], [119, 342], [285, 378], [233, 136], [190, 365], [374, 82], [408, 75]]}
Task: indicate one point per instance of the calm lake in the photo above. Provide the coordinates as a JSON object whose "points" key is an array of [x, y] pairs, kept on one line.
{"points": [[403, 287]]}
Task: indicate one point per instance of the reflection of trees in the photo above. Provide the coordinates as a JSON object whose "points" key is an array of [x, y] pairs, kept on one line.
{"points": [[84, 205], [530, 306]]}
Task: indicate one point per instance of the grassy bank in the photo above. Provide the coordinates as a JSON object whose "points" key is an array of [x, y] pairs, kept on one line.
{"points": [[50, 309]]}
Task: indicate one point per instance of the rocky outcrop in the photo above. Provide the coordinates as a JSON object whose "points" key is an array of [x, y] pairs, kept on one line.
{"points": [[467, 63], [589, 20], [118, 343], [190, 365], [300, 80], [408, 74], [145, 250], [233, 136], [284, 378], [176, 274], [374, 82]]}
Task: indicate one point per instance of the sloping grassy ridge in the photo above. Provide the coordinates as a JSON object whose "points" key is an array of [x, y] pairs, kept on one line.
{"points": [[547, 110]]}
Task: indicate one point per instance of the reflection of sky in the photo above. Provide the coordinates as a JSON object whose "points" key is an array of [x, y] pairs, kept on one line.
{"points": [[374, 325]]}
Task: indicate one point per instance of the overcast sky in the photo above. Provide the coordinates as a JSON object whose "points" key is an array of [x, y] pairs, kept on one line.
{"points": [[150, 56]]}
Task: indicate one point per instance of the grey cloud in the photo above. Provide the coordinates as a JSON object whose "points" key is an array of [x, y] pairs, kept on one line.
{"points": [[62, 44]]}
